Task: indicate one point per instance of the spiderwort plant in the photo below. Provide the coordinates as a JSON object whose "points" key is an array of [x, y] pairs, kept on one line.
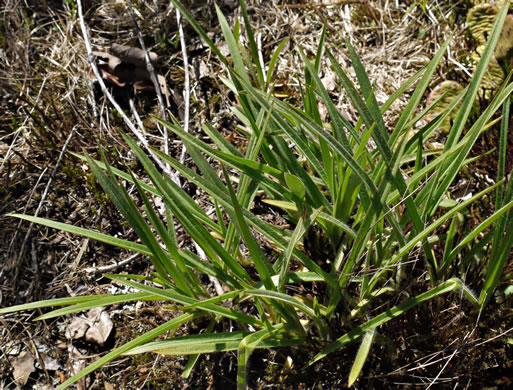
{"points": [[373, 206]]}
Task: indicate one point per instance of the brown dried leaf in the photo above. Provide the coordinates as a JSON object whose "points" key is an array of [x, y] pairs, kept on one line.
{"points": [[95, 328], [78, 363], [130, 74], [107, 60], [101, 326], [23, 366], [125, 65], [131, 55], [111, 77], [78, 328]]}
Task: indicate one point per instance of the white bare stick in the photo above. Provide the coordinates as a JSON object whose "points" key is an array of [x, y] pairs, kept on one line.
{"points": [[261, 56], [137, 117], [92, 100], [114, 266], [128, 122], [187, 92]]}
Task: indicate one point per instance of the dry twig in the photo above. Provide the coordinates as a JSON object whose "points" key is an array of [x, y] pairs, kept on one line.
{"points": [[187, 93]]}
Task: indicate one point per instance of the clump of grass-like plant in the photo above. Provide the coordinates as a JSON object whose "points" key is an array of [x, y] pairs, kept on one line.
{"points": [[375, 207]]}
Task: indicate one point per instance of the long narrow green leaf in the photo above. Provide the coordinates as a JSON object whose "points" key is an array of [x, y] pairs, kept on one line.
{"points": [[429, 229], [496, 266], [99, 301], [264, 268], [252, 43], [274, 59], [179, 271], [283, 263], [119, 196], [206, 343], [390, 162], [191, 363], [244, 350], [403, 88], [202, 33], [170, 191], [232, 45], [451, 167], [185, 300], [283, 298], [262, 265], [482, 67], [105, 238], [336, 147], [424, 133], [251, 168], [368, 94], [361, 357], [418, 93], [68, 301], [480, 228], [191, 260], [284, 110], [496, 262], [324, 217], [191, 205], [278, 236]]}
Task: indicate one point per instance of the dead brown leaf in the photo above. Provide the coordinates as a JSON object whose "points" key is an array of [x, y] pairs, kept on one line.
{"points": [[329, 81], [131, 55], [125, 65], [96, 328], [102, 326], [23, 366], [78, 363]]}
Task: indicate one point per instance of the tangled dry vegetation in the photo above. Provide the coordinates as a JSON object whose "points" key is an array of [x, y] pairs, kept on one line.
{"points": [[49, 106]]}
